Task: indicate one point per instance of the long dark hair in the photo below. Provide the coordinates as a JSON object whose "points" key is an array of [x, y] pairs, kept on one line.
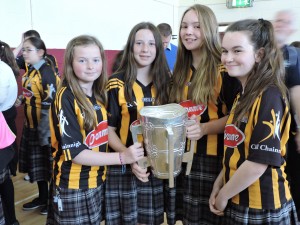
{"points": [[268, 72], [159, 68]]}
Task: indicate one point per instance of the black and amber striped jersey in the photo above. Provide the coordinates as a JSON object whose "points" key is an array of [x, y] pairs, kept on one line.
{"points": [[122, 113], [260, 137], [69, 138], [226, 91], [39, 85], [24, 66]]}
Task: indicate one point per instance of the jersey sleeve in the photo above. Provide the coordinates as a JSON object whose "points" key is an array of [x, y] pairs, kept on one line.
{"points": [[113, 107], [265, 142], [49, 86], [69, 128]]}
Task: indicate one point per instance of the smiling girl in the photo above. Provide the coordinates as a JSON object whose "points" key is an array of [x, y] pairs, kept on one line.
{"points": [[132, 195], [79, 135], [252, 186]]}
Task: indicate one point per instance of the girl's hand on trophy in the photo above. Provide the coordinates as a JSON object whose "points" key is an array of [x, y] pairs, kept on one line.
{"points": [[132, 154], [139, 172], [194, 130]]}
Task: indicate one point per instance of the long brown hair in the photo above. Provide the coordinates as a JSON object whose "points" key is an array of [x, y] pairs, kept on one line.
{"points": [[202, 89], [71, 80], [7, 56], [268, 72], [159, 68]]}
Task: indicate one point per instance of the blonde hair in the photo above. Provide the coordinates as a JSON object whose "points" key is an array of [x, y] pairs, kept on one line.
{"points": [[71, 80], [202, 89]]}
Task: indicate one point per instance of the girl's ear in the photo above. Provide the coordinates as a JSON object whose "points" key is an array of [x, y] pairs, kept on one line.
{"points": [[260, 53], [41, 53]]}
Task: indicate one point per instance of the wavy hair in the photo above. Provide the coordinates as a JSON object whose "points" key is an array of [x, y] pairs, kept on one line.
{"points": [[71, 80], [202, 89], [268, 72], [159, 69]]}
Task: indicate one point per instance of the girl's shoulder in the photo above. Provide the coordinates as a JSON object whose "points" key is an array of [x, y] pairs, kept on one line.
{"points": [[115, 80]]}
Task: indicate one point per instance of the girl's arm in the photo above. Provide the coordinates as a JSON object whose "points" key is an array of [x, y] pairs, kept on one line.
{"points": [[123, 156], [91, 158], [198, 130], [245, 175], [116, 144], [216, 189]]}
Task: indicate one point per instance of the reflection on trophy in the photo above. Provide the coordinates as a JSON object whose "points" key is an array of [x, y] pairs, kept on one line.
{"points": [[164, 133]]}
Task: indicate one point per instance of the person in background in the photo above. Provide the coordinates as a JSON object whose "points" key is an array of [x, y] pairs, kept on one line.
{"points": [[295, 44], [133, 195], [8, 90], [20, 59], [200, 79], [165, 31], [252, 187], [39, 88], [79, 136], [284, 26]]}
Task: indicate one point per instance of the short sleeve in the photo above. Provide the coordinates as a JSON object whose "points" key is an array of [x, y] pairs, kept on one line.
{"points": [[265, 142], [69, 128], [113, 107]]}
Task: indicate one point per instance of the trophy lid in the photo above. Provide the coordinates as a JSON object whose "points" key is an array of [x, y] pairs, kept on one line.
{"points": [[168, 111]]}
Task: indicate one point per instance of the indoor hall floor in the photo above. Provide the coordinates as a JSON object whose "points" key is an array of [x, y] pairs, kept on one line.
{"points": [[25, 192]]}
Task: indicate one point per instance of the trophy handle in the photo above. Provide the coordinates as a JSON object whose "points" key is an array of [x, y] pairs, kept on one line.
{"points": [[171, 156], [136, 129], [188, 157]]}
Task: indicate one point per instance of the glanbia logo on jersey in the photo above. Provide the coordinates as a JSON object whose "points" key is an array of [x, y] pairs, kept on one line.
{"points": [[27, 93], [192, 108], [233, 136], [97, 137]]}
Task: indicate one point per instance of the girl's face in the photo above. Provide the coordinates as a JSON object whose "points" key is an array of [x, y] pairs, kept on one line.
{"points": [[190, 32], [144, 49], [31, 54], [238, 55], [87, 63]]}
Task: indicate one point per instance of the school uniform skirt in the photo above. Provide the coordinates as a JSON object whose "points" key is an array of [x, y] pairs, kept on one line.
{"points": [[4, 174], [79, 207], [188, 200], [34, 160], [2, 219], [240, 215], [130, 201]]}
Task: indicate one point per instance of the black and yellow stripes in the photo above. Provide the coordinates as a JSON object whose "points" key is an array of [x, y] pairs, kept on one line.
{"points": [[39, 89], [68, 140], [213, 144], [122, 113], [265, 129]]}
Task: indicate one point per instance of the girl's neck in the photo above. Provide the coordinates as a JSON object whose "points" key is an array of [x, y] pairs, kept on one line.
{"points": [[143, 75], [196, 58], [87, 88]]}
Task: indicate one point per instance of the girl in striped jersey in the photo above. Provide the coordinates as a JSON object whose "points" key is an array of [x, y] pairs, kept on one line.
{"points": [[200, 79], [132, 195], [79, 136], [39, 89], [252, 187]]}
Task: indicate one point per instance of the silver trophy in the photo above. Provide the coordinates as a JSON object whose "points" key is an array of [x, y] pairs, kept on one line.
{"points": [[164, 136]]}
